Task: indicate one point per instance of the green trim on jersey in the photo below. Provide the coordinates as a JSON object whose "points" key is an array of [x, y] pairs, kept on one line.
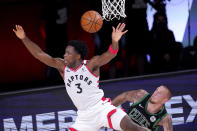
{"points": [[141, 107], [151, 113], [140, 100], [155, 124]]}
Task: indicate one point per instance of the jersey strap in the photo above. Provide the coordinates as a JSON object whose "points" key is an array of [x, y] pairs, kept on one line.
{"points": [[85, 62]]}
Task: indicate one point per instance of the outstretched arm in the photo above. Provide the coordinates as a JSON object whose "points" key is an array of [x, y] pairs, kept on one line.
{"points": [[166, 123], [131, 96], [37, 52], [103, 59]]}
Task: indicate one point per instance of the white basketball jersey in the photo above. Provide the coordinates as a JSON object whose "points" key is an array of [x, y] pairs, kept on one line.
{"points": [[82, 86]]}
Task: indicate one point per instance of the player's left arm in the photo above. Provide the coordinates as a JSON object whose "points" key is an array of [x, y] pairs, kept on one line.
{"points": [[98, 61], [130, 96], [166, 122]]}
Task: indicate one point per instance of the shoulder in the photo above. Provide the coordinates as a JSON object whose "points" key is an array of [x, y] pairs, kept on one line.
{"points": [[137, 95], [60, 63], [140, 94], [92, 62], [166, 119], [59, 59], [93, 59]]}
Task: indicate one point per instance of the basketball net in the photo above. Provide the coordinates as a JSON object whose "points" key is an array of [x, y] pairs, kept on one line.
{"points": [[113, 9]]}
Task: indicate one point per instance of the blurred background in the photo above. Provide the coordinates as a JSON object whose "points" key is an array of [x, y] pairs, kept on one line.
{"points": [[159, 48], [162, 37]]}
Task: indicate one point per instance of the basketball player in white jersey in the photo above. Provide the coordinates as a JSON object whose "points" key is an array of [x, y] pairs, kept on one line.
{"points": [[81, 79]]}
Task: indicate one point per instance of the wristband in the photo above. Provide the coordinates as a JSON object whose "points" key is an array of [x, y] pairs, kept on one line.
{"points": [[112, 50]]}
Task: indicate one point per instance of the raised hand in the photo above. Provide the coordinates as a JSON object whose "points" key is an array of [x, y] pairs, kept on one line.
{"points": [[118, 32], [19, 32]]}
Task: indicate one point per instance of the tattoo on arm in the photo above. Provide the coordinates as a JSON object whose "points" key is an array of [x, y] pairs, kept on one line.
{"points": [[119, 99], [130, 96]]}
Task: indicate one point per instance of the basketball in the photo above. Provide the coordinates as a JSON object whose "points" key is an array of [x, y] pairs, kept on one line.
{"points": [[91, 21]]}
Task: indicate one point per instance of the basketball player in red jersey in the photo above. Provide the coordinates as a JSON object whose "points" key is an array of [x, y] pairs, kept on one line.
{"points": [[81, 79]]}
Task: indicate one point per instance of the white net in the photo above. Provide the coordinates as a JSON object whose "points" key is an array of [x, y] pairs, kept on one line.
{"points": [[113, 9]]}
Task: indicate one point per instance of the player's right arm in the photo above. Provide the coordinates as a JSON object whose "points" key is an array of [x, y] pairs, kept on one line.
{"points": [[166, 122], [97, 61], [130, 96], [37, 52]]}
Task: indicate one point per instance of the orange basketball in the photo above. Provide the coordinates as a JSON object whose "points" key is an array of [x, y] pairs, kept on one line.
{"points": [[91, 21]]}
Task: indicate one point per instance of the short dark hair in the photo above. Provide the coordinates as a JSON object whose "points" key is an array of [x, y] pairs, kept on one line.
{"points": [[169, 91], [80, 47]]}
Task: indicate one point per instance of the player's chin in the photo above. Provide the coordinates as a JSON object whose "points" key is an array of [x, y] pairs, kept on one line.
{"points": [[153, 100], [65, 62]]}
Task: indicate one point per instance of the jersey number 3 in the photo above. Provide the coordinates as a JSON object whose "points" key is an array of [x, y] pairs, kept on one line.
{"points": [[79, 87]]}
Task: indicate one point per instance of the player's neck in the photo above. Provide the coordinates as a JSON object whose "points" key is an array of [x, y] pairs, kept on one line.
{"points": [[75, 65], [154, 108]]}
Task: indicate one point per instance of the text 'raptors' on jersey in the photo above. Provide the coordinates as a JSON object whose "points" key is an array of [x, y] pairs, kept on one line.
{"points": [[82, 86]]}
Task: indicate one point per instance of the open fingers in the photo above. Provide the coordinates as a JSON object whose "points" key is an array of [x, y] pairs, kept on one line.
{"points": [[117, 28], [125, 32], [18, 27], [113, 29], [14, 30], [122, 26]]}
